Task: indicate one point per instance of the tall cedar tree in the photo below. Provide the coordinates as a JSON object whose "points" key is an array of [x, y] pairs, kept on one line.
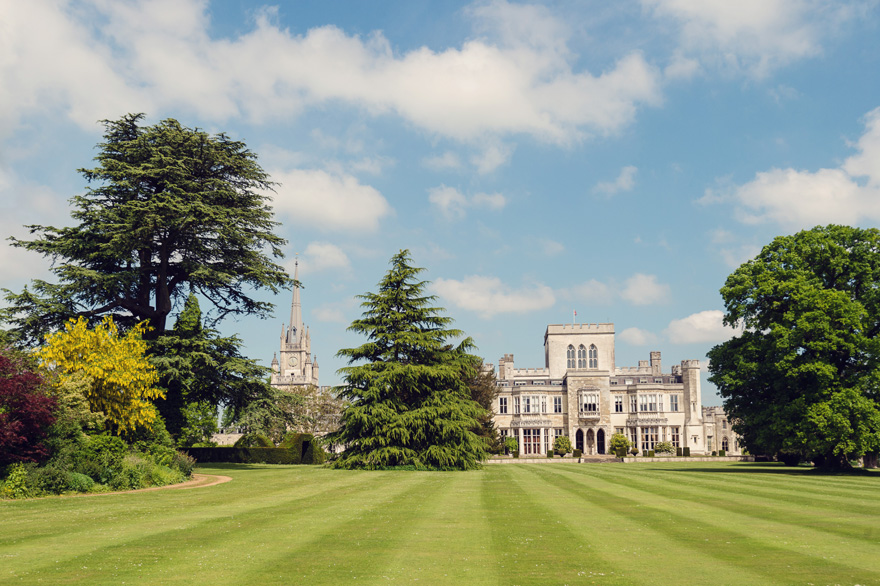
{"points": [[410, 404], [803, 378], [26, 411], [169, 210], [196, 365]]}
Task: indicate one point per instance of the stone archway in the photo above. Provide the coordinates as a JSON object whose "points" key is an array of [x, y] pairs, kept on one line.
{"points": [[591, 442], [600, 441], [579, 440]]}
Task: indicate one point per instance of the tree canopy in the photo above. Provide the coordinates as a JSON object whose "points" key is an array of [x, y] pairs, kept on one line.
{"points": [[169, 210], [410, 404], [197, 365], [803, 377], [121, 380]]}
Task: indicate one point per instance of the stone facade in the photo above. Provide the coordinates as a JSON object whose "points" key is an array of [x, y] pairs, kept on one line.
{"points": [[582, 394]]}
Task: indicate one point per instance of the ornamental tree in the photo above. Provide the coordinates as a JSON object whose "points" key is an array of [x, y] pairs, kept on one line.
{"points": [[562, 445], [803, 377], [169, 210], [26, 411], [121, 379], [619, 444], [410, 404]]}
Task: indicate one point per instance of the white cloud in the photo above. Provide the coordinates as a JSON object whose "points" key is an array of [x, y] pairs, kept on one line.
{"points": [[550, 247], [755, 36], [324, 256], [23, 203], [590, 292], [453, 205], [681, 67], [637, 337], [328, 201], [488, 296], [849, 194], [446, 161], [492, 157], [158, 55], [624, 182], [702, 327], [641, 289]]}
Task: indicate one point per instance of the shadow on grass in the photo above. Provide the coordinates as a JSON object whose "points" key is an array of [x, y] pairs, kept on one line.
{"points": [[773, 468], [251, 465]]}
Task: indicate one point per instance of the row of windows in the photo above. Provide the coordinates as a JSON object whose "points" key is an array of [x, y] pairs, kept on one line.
{"points": [[651, 436], [589, 403], [585, 358], [529, 404], [644, 380]]}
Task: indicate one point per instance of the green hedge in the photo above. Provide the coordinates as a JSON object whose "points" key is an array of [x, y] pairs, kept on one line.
{"points": [[245, 455], [306, 446]]}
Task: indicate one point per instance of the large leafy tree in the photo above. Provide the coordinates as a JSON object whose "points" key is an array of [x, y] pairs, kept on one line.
{"points": [[121, 381], [198, 366], [410, 404], [169, 210], [803, 378]]}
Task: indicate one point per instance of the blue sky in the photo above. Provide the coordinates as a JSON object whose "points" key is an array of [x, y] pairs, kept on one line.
{"points": [[617, 159]]}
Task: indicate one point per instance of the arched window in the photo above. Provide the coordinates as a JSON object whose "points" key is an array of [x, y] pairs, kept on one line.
{"points": [[582, 356], [594, 356], [724, 444], [570, 355]]}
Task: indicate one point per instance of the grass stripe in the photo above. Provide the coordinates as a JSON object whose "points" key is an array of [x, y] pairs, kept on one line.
{"points": [[514, 524], [791, 552]]}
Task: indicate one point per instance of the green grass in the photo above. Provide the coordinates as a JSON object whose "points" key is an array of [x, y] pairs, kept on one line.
{"points": [[663, 524]]}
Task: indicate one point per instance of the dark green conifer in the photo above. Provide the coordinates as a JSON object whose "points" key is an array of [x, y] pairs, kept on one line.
{"points": [[410, 403]]}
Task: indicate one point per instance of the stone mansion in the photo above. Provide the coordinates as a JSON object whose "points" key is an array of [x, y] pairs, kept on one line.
{"points": [[582, 394]]}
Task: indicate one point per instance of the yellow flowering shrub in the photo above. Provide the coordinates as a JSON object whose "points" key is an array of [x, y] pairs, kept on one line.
{"points": [[122, 379]]}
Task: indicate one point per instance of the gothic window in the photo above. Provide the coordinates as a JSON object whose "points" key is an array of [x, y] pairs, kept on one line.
{"points": [[724, 444], [582, 356], [589, 402], [594, 356], [570, 355]]}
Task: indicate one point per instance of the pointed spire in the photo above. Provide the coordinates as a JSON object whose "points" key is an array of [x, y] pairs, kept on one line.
{"points": [[294, 335]]}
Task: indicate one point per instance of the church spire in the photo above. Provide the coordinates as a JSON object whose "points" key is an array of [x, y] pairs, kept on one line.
{"points": [[295, 333]]}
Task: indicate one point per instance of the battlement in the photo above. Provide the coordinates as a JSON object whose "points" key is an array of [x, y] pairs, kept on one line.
{"points": [[623, 370], [690, 364], [580, 328], [531, 372]]}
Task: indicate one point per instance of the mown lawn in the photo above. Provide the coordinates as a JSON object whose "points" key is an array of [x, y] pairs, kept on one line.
{"points": [[664, 524]]}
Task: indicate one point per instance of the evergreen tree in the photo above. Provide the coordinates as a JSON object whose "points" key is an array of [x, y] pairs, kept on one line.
{"points": [[196, 365], [169, 210], [410, 404]]}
